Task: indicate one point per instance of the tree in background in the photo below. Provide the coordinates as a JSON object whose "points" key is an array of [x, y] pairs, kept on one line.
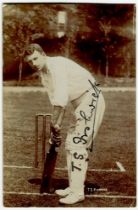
{"points": [[95, 34], [107, 35], [21, 25]]}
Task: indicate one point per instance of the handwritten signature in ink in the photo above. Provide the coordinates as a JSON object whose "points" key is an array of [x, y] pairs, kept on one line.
{"points": [[96, 93], [92, 104]]}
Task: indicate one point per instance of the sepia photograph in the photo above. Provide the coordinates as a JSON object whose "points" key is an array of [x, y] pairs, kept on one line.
{"points": [[69, 104]]}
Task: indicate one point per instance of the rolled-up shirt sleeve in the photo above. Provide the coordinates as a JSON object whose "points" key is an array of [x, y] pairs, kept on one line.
{"points": [[60, 87]]}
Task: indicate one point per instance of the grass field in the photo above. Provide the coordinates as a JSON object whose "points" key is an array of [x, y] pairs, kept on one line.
{"points": [[112, 165]]}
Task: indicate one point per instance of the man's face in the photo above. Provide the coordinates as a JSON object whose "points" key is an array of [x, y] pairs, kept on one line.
{"points": [[36, 60]]}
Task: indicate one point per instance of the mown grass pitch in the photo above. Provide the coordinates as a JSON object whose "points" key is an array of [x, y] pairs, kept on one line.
{"points": [[115, 142]]}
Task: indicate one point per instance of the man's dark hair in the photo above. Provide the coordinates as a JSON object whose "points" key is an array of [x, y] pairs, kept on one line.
{"points": [[31, 48]]}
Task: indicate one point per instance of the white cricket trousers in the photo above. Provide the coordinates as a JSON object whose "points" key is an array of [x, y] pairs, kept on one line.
{"points": [[89, 115]]}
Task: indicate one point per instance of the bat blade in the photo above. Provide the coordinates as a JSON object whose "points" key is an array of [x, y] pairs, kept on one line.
{"points": [[49, 166]]}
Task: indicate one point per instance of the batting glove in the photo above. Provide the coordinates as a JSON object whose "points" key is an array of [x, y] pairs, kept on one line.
{"points": [[55, 135]]}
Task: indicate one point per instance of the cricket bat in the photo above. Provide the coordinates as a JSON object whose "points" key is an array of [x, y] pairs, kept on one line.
{"points": [[49, 166]]}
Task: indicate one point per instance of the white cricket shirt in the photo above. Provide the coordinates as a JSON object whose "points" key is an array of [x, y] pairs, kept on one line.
{"points": [[65, 80]]}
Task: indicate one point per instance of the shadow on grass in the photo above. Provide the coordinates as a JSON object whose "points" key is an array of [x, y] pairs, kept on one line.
{"points": [[90, 188]]}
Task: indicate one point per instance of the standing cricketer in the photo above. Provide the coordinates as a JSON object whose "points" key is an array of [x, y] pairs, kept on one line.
{"points": [[65, 81]]}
